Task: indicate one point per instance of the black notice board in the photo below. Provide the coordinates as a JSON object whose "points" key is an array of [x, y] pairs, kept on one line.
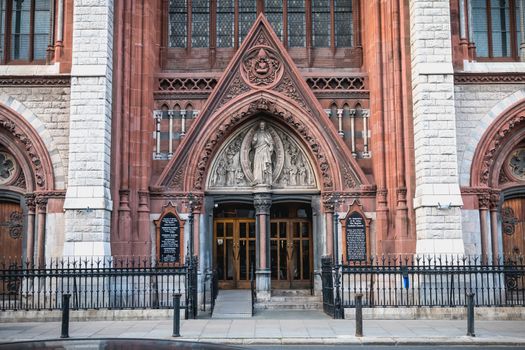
{"points": [[355, 231], [169, 240]]}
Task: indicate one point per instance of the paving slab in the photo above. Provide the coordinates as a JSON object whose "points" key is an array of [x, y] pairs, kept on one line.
{"points": [[283, 331]]}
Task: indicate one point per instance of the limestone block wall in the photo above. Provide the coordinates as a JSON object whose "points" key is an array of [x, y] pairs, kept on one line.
{"points": [[88, 199], [51, 106], [437, 198], [477, 106]]}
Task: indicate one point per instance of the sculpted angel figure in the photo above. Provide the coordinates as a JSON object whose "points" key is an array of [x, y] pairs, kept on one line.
{"points": [[263, 146]]}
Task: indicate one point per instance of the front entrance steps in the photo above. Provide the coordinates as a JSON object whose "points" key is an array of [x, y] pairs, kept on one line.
{"points": [[291, 299], [232, 304]]}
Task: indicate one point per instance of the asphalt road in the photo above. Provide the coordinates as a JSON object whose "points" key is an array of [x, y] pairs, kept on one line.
{"points": [[376, 347]]}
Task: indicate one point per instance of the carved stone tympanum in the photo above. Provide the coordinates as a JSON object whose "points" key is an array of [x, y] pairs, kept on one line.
{"points": [[261, 154]]}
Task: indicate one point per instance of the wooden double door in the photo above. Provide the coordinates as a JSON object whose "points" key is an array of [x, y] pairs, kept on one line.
{"points": [[290, 252]]}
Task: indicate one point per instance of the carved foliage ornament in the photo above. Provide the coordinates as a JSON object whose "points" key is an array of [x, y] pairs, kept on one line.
{"points": [[261, 67], [29, 149], [495, 144]]}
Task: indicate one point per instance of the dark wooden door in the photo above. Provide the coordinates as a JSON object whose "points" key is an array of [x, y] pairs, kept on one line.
{"points": [[11, 230], [513, 221]]}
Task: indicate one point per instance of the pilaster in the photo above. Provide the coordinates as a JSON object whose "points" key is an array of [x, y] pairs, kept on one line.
{"points": [[88, 200], [437, 198]]}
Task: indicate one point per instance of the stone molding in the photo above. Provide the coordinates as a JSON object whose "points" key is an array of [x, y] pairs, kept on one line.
{"points": [[49, 80], [488, 78], [19, 114], [489, 147]]}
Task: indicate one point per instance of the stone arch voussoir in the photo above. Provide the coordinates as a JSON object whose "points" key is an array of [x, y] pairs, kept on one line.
{"points": [[33, 140], [508, 122], [226, 119]]}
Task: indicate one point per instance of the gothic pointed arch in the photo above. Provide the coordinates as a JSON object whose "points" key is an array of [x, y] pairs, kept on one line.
{"points": [[262, 81], [21, 140], [503, 136]]}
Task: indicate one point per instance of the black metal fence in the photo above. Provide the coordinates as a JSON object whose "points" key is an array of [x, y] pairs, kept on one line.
{"points": [[97, 283], [437, 281]]}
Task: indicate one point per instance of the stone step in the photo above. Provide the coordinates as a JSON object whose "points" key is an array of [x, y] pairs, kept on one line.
{"points": [[296, 299], [291, 292], [289, 306]]}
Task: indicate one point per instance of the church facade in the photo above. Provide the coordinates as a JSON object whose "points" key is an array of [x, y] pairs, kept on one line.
{"points": [[262, 134]]}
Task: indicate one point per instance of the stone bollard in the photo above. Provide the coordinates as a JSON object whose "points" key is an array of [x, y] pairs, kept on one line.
{"points": [[176, 315], [359, 315], [470, 315], [65, 316]]}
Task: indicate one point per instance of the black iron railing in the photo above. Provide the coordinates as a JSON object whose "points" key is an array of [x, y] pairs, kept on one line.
{"points": [[427, 281], [105, 283]]}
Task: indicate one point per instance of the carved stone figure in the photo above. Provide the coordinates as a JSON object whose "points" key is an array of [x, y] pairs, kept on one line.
{"points": [[263, 146], [262, 155]]}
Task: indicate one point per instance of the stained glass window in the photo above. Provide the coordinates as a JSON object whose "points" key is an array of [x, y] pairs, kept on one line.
{"points": [[321, 23], [200, 23], [274, 12], [247, 15], [2, 30], [343, 23], [178, 23], [296, 23], [225, 23]]}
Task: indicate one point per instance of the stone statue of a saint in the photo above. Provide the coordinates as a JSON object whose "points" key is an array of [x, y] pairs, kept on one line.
{"points": [[263, 146]]}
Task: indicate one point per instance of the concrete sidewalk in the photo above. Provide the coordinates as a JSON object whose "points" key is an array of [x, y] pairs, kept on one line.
{"points": [[300, 329]]}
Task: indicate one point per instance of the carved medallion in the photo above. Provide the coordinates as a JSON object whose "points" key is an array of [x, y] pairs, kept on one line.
{"points": [[516, 164], [261, 67], [8, 168]]}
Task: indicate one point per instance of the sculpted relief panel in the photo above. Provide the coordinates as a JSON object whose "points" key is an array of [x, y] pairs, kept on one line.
{"points": [[261, 155]]}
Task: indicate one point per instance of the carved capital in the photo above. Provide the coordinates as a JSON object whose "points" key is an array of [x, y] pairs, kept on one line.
{"points": [[41, 203], [484, 200], [262, 203], [30, 202], [494, 200]]}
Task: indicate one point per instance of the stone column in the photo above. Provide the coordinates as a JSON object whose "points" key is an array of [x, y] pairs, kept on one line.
{"points": [[484, 200], [41, 203], [88, 199], [494, 226], [262, 203], [30, 243], [437, 198]]}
